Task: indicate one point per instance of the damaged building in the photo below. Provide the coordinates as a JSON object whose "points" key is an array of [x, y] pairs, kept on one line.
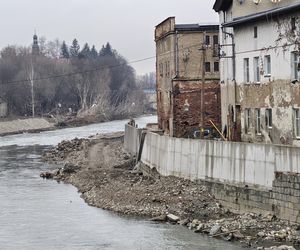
{"points": [[188, 89], [259, 70]]}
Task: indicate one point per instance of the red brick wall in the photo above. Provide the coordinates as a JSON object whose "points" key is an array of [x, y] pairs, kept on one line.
{"points": [[186, 122]]}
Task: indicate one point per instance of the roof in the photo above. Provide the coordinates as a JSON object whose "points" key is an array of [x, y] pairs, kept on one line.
{"points": [[196, 27], [222, 5], [264, 15]]}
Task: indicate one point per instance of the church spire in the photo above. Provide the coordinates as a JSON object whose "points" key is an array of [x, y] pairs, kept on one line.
{"points": [[35, 45]]}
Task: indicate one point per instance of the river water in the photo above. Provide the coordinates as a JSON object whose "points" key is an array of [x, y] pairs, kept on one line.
{"points": [[37, 214]]}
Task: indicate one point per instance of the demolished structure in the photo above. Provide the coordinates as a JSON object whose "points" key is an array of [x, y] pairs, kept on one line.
{"points": [[187, 65]]}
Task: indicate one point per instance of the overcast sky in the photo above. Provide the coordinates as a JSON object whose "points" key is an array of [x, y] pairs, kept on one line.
{"points": [[127, 24]]}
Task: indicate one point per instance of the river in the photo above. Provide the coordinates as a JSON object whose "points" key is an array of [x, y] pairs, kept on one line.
{"points": [[37, 214]]}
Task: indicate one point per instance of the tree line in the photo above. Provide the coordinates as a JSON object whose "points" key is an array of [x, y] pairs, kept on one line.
{"points": [[63, 79]]}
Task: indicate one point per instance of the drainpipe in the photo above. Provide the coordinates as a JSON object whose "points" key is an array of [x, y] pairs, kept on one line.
{"points": [[233, 65], [176, 62], [176, 55]]}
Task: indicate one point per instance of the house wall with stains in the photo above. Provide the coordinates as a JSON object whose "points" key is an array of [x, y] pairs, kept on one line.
{"points": [[165, 71], [180, 54], [276, 89], [247, 7]]}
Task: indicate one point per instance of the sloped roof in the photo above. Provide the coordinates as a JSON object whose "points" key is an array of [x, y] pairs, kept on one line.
{"points": [[265, 15], [222, 5], [197, 27]]}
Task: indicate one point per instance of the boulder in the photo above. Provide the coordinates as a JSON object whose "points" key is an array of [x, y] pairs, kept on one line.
{"points": [[173, 218], [161, 218], [214, 230]]}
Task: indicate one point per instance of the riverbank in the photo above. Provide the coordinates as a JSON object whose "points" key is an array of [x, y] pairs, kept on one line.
{"points": [[103, 174], [28, 125]]}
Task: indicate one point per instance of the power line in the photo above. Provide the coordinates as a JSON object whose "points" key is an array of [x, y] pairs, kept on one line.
{"points": [[97, 69]]}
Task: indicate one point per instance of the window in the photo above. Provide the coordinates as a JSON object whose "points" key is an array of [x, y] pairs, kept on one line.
{"points": [[256, 69], [297, 122], [294, 66], [161, 69], [269, 118], [207, 40], [267, 66], [216, 46], [258, 122], [207, 67], [255, 32], [247, 120], [215, 40], [216, 66], [246, 70], [293, 23]]}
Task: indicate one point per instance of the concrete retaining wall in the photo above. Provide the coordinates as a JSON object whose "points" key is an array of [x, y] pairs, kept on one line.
{"points": [[243, 177], [24, 125], [3, 109], [132, 139], [230, 162]]}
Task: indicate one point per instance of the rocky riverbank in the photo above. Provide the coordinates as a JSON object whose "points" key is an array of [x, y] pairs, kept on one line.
{"points": [[104, 175]]}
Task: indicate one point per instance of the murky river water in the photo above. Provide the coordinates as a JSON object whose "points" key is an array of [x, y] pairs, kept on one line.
{"points": [[36, 214]]}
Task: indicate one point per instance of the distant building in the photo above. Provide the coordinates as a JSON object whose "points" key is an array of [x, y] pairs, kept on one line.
{"points": [[3, 108], [35, 46], [187, 62], [260, 70]]}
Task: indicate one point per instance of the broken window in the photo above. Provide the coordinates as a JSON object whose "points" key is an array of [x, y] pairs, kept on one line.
{"points": [[294, 65], [216, 67], [256, 70], [297, 122], [267, 66], [246, 70], [207, 67], [258, 122], [269, 118], [247, 120]]}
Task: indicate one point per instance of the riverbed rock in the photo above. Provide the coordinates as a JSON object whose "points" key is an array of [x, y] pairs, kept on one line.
{"points": [[283, 247], [215, 229], [173, 218], [47, 175], [161, 218], [69, 168]]}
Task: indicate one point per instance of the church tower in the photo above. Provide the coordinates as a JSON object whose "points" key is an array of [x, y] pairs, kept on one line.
{"points": [[35, 46]]}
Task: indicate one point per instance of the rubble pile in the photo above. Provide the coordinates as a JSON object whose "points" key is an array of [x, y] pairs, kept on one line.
{"points": [[104, 175]]}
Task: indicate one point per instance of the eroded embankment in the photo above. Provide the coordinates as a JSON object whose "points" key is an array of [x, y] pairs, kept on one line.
{"points": [[103, 173], [25, 125]]}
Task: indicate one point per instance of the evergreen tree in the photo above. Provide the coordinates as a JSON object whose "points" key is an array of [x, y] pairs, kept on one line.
{"points": [[106, 50], [85, 52], [74, 49], [93, 53], [64, 51]]}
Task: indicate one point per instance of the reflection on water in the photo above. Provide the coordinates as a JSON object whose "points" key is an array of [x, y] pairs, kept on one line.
{"points": [[38, 214]]}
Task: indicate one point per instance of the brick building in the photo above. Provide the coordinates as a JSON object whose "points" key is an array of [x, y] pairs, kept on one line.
{"points": [[186, 63]]}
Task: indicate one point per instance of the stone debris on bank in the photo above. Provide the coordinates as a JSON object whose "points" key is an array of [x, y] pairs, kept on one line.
{"points": [[103, 173]]}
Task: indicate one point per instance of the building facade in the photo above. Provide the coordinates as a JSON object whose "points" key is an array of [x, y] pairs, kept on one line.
{"points": [[187, 66], [260, 70]]}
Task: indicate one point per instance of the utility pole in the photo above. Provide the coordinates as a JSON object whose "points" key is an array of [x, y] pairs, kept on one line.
{"points": [[203, 86]]}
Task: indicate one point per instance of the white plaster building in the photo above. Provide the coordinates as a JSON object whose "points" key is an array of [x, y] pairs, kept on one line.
{"points": [[260, 70]]}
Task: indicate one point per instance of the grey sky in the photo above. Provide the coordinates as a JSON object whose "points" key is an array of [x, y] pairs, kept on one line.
{"points": [[127, 24]]}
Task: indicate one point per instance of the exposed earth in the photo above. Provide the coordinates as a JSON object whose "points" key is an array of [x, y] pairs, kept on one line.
{"points": [[106, 177]]}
